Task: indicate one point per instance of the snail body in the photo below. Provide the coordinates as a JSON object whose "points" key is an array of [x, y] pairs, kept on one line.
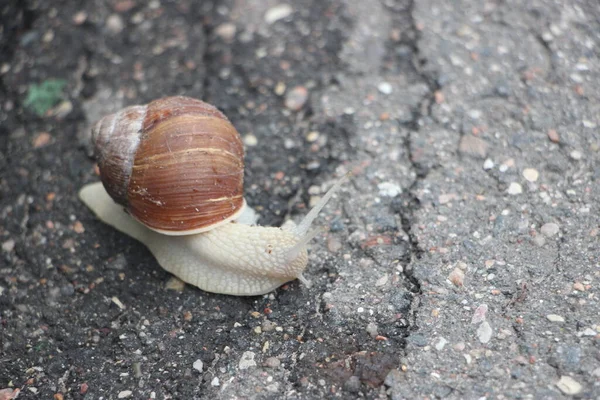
{"points": [[209, 242]]}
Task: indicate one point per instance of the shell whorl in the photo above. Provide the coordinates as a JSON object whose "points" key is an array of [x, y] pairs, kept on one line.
{"points": [[116, 138], [176, 164]]}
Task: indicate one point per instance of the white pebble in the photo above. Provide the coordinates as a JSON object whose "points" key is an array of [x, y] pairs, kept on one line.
{"points": [[576, 155], [278, 12], [198, 365], [474, 114], [389, 189], [539, 241], [247, 360], [441, 343], [312, 136], [488, 164], [250, 140], [550, 229], [555, 318], [115, 24], [484, 332], [514, 188], [372, 329], [215, 382], [589, 332], [569, 386], [226, 31], [385, 88], [124, 394], [8, 246], [589, 124], [531, 174]]}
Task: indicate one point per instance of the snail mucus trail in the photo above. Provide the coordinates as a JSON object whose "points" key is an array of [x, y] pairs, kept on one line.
{"points": [[172, 178]]}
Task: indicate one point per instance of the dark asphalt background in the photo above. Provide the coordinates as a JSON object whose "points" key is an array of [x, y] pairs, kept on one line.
{"points": [[462, 261]]}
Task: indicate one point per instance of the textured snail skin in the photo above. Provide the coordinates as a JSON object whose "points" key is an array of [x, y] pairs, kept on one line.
{"points": [[236, 258]]}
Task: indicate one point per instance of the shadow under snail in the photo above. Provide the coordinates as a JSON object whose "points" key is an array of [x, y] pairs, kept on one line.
{"points": [[172, 177]]}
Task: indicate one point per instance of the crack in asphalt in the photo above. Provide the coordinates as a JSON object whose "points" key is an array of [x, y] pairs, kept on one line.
{"points": [[412, 203], [207, 29]]}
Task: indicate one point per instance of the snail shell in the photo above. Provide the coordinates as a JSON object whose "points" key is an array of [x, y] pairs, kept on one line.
{"points": [[175, 164]]}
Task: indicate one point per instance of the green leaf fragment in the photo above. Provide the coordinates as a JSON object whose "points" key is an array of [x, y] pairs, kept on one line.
{"points": [[42, 97]]}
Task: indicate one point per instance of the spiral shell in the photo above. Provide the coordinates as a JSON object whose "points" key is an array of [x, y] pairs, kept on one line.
{"points": [[176, 164]]}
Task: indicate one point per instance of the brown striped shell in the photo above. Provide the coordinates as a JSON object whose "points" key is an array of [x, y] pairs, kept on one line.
{"points": [[176, 164]]}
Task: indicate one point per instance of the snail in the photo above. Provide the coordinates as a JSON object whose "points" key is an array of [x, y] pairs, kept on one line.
{"points": [[172, 178]]}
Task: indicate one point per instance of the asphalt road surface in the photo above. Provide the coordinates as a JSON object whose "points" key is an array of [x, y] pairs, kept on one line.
{"points": [[461, 261]]}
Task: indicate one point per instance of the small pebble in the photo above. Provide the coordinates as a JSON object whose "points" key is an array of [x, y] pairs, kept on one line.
{"points": [[372, 329], [215, 382], [389, 189], [198, 365], [124, 394], [78, 227], [313, 165], [446, 198], [589, 124], [385, 88], [457, 277], [472, 145], [8, 246], [514, 188], [474, 114], [115, 24], [250, 140], [118, 302], [278, 12], [589, 332], [550, 229], [226, 31], [555, 318], [479, 315], [553, 136], [569, 386], [333, 244], [382, 281], [279, 88], [312, 136], [539, 240], [41, 140], [441, 343], [488, 164], [175, 284], [579, 287], [247, 360], [460, 346], [272, 362], [576, 155], [296, 98], [531, 174], [79, 17], [484, 332]]}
